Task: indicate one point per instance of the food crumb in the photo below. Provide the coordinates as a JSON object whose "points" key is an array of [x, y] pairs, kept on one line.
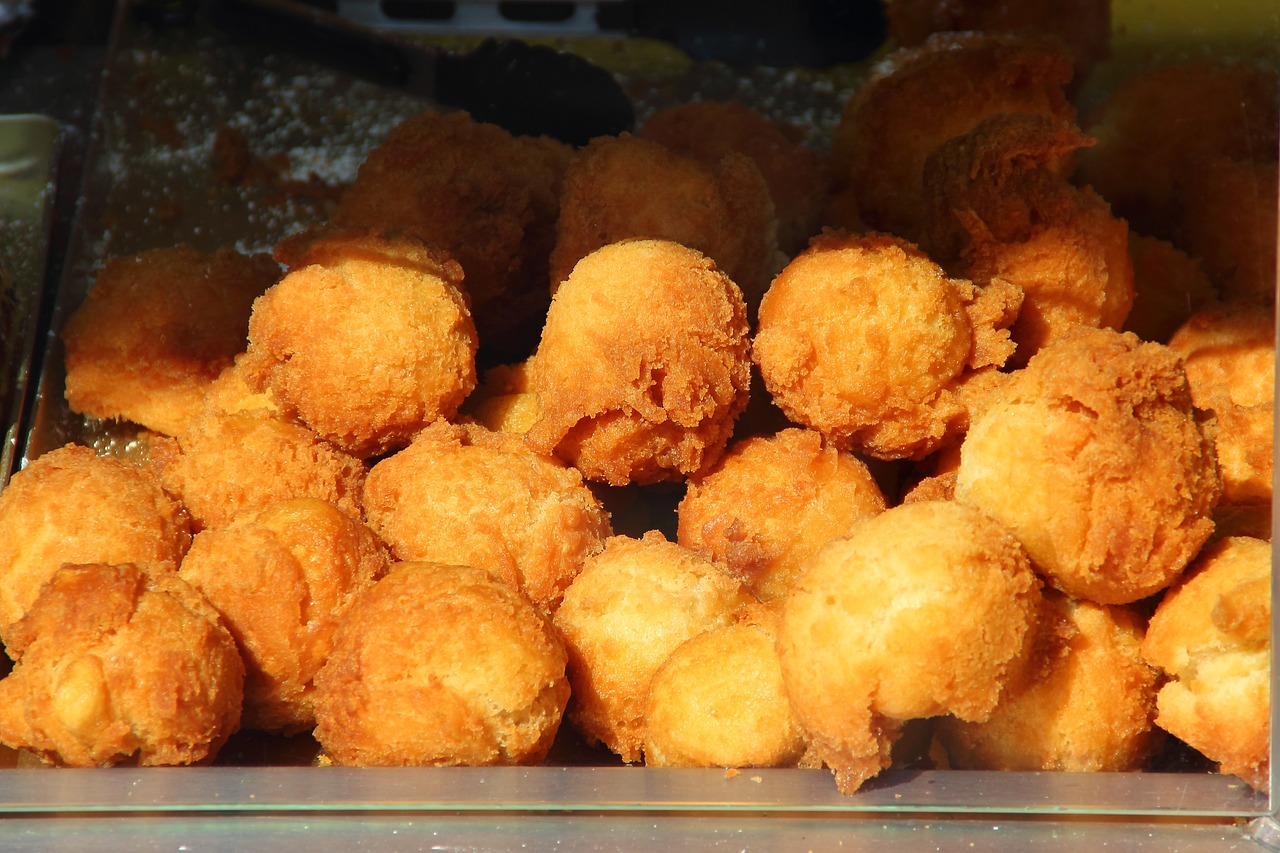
{"points": [[730, 772]]}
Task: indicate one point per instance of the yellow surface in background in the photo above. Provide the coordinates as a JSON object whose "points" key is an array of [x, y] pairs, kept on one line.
{"points": [[1213, 26]]}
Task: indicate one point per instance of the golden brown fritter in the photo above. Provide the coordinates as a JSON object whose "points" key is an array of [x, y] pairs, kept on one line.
{"points": [[441, 665], [927, 608], [633, 604], [919, 97], [366, 339], [1001, 208], [1168, 287], [156, 329], [772, 502], [1093, 456], [470, 496], [504, 401], [1086, 704], [72, 506], [644, 364], [114, 664], [282, 577], [227, 463], [486, 197], [1211, 635], [866, 340], [796, 175], [626, 187]]}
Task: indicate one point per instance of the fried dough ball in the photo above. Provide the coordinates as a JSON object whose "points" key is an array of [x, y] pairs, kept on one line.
{"points": [[1229, 351], [441, 665], [1087, 703], [467, 495], [504, 401], [282, 577], [1158, 127], [719, 701], [633, 604], [625, 187], [1168, 287], [1211, 634], [927, 608], [1001, 208], [795, 174], [231, 393], [644, 364], [772, 502], [115, 663], [919, 97], [156, 329], [226, 463], [1093, 456], [72, 506], [366, 339], [488, 198], [866, 340]]}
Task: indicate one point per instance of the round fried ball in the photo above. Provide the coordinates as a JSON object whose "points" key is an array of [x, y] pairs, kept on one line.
{"points": [[366, 339], [441, 665], [72, 506], [1093, 456], [466, 495], [115, 663], [772, 502], [643, 366], [282, 577], [623, 616]]}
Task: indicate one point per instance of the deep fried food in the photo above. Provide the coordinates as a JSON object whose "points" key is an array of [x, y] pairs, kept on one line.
{"points": [[1168, 287], [920, 97], [504, 401], [795, 174], [116, 663], [1230, 352], [441, 665], [1086, 704], [72, 506], [488, 198], [1000, 208], [623, 616], [156, 329], [927, 608], [644, 364], [1211, 634], [467, 495], [282, 577], [719, 701], [866, 340], [772, 502], [625, 187], [366, 339], [227, 463], [1093, 456]]}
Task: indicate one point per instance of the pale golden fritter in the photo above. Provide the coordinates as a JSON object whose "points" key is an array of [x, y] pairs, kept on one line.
{"points": [[927, 608], [772, 502], [504, 401], [227, 463], [1211, 635], [1001, 208], [1086, 704], [623, 616], [72, 506], [919, 97], [1168, 287], [366, 339], [487, 197], [866, 340], [282, 577], [156, 329], [1229, 351], [1094, 457], [644, 364], [441, 665], [467, 495], [626, 187], [116, 664], [796, 175]]}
